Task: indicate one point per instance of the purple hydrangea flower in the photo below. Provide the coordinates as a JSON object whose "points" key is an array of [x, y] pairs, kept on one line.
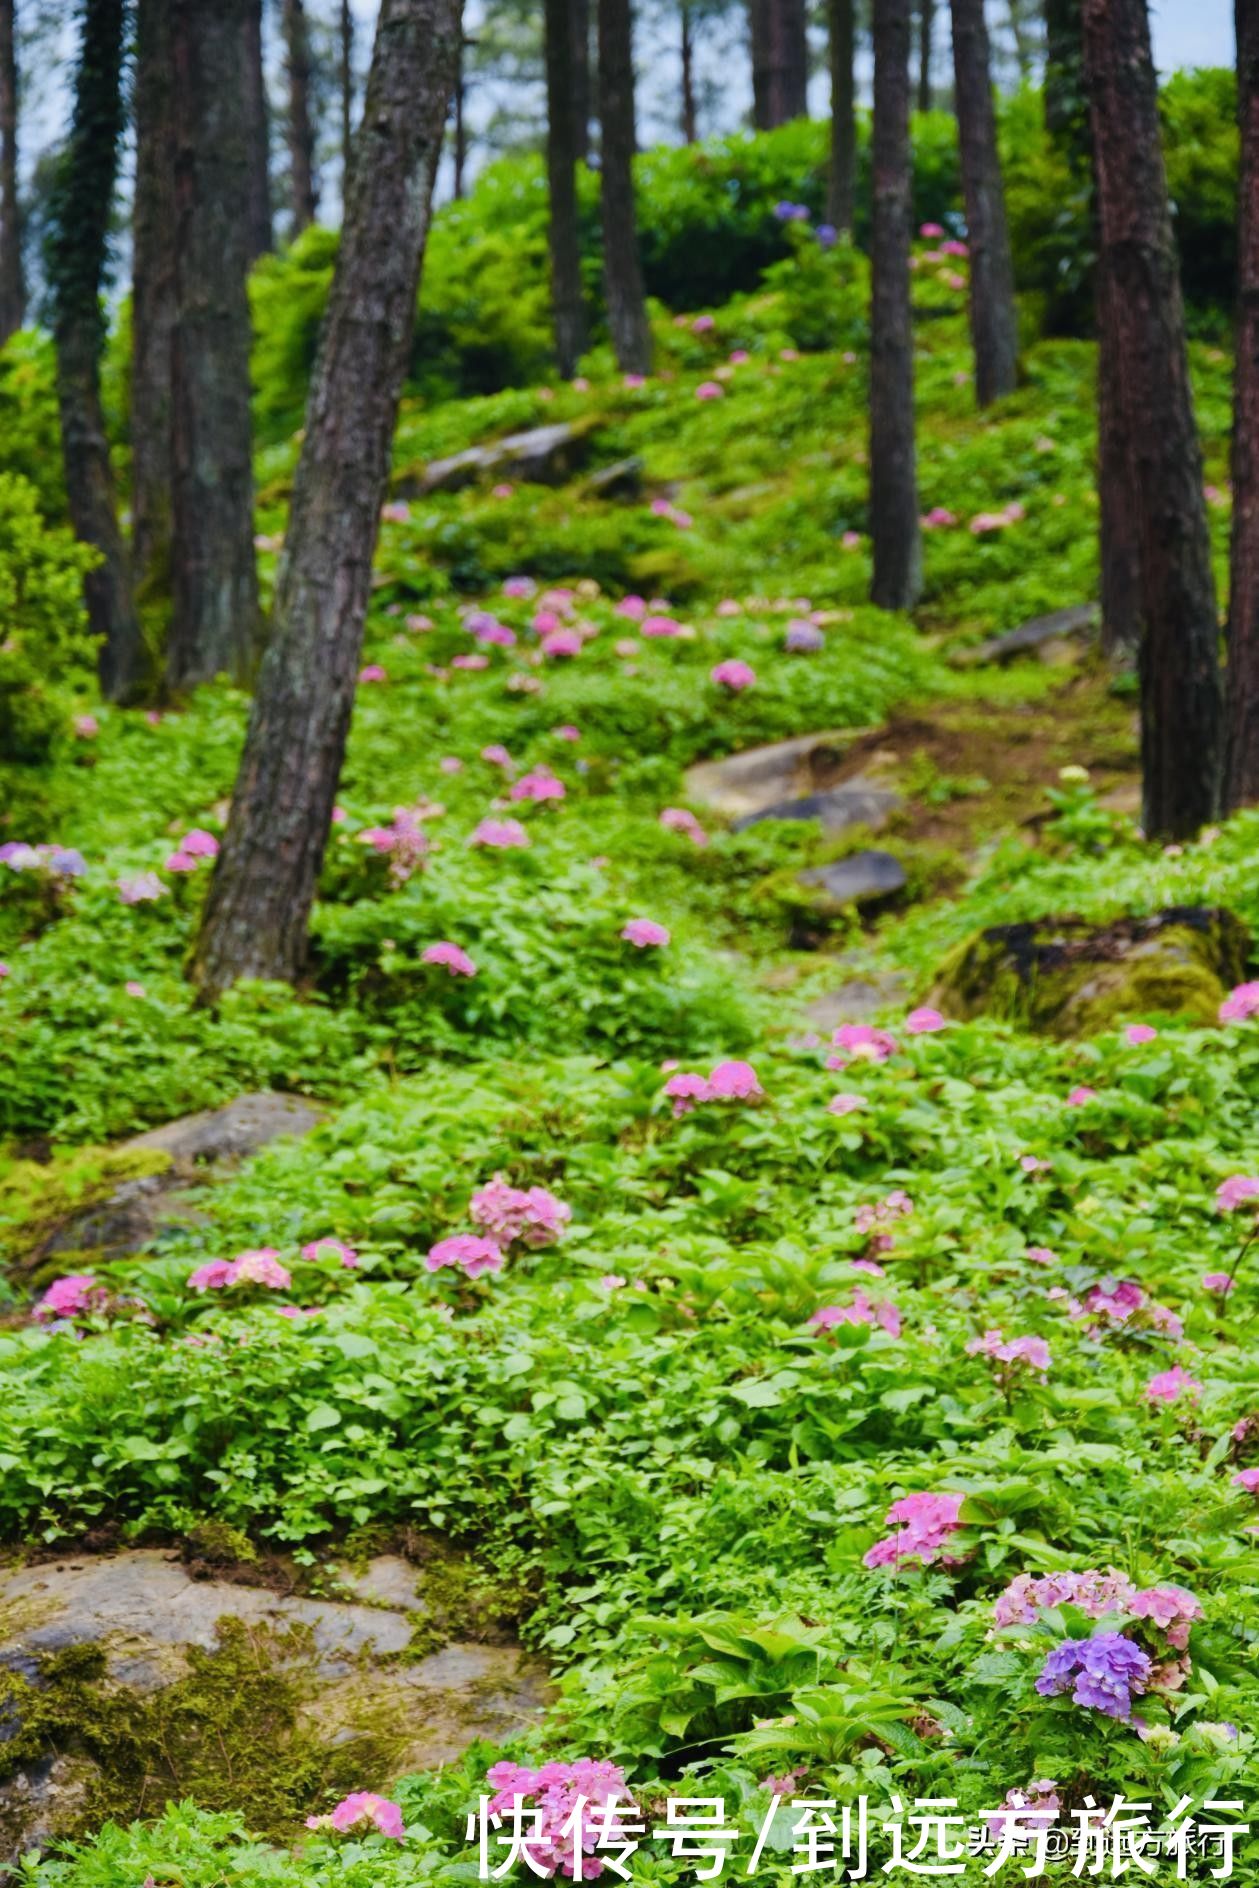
{"points": [[827, 235], [1101, 1673]]}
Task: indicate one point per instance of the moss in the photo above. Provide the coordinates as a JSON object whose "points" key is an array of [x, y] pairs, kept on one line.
{"points": [[38, 1197], [1065, 978]]}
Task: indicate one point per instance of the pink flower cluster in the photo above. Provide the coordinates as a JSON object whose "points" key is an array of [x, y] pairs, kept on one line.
{"points": [[676, 819], [537, 786], [1171, 1609], [861, 1311], [1168, 1386], [1235, 1192], [259, 1267], [1113, 1304], [565, 1797], [75, 1296], [860, 1042], [895, 1205], [359, 1807], [1240, 1003], [1031, 1353], [924, 1525], [734, 675], [471, 1254], [985, 522], [509, 1213], [194, 845], [644, 932], [404, 843], [320, 1249], [499, 834], [449, 957], [729, 1081]]}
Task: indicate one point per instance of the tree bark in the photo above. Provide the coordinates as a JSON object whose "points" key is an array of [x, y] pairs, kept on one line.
{"points": [[690, 116], [1241, 770], [1181, 709], [215, 624], [12, 273], [461, 141], [842, 175], [994, 321], [265, 878], [152, 303], [567, 304], [894, 530], [926, 32], [758, 45], [789, 61], [622, 271], [347, 95], [303, 179], [579, 20], [76, 265], [253, 79]]}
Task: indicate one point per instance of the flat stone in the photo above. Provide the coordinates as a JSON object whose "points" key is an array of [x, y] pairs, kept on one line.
{"points": [[837, 809], [1077, 619], [861, 879], [544, 455], [856, 1001], [760, 777], [240, 1127], [622, 479]]}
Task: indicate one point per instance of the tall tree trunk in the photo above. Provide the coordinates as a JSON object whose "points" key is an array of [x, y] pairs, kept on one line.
{"points": [[303, 181], [1241, 771], [215, 624], [1181, 709], [926, 32], [568, 306], [894, 531], [347, 95], [1067, 121], [994, 321], [1024, 50], [264, 882], [689, 123], [461, 136], [758, 47], [261, 238], [842, 175], [622, 271], [152, 303], [12, 273], [579, 18], [788, 61], [76, 265]]}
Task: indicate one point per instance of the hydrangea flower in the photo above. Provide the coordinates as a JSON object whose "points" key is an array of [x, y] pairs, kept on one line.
{"points": [[449, 957], [1240, 1003], [924, 1524], [861, 1311], [1103, 1673], [845, 1104], [1248, 1479], [509, 1213], [500, 834], [860, 1042], [1036, 1807], [633, 607], [1095, 1593], [710, 390], [71, 1297], [1138, 1033], [141, 888], [735, 1081], [660, 628], [924, 1022], [1030, 1351], [1173, 1609], [258, 1267], [734, 675], [1081, 1096], [803, 639], [644, 932], [372, 672], [685, 1090], [465, 1250], [198, 844], [330, 1249], [359, 1807], [1219, 1284], [557, 1792], [562, 642], [1235, 1192], [676, 819], [1168, 1386], [539, 785]]}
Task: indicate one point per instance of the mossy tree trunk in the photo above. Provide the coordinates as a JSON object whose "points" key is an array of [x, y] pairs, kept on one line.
{"points": [[841, 180], [77, 254], [567, 303], [264, 881], [299, 124], [1241, 776], [622, 270], [254, 80], [215, 623], [894, 530], [12, 272], [994, 321], [1181, 708], [152, 303]]}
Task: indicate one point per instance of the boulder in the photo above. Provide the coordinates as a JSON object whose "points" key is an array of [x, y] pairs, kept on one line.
{"points": [[861, 879], [125, 1679], [622, 479], [856, 1001], [837, 809], [1042, 635], [1065, 977], [761, 777], [545, 455]]}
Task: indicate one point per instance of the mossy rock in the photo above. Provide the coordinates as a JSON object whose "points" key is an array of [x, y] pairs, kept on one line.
{"points": [[1065, 977]]}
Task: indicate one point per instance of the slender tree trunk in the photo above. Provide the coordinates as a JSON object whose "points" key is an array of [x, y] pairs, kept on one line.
{"points": [[994, 320], [579, 17], [788, 61], [461, 139], [12, 273], [1241, 773], [1024, 51], [261, 232], [215, 624], [926, 31], [622, 271], [567, 304], [1181, 709], [347, 95], [758, 52], [76, 265], [152, 303], [264, 882], [690, 128], [303, 180], [842, 175], [894, 532]]}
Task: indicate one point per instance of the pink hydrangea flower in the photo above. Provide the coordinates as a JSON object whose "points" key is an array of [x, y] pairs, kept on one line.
{"points": [[1032, 1351], [924, 1525], [500, 834], [677, 819], [845, 1104], [736, 1081], [519, 587], [1218, 1283], [1171, 1608], [451, 958], [1138, 1033], [1081, 1096], [930, 232], [509, 1213], [1235, 1192], [1240, 1003], [860, 1311], [538, 786], [734, 675], [562, 642], [1042, 1255], [198, 844], [566, 732], [585, 1794], [924, 1022], [133, 989], [472, 1255], [1247, 1479], [710, 390], [660, 628], [860, 1042], [258, 1267], [86, 727], [141, 889], [1093, 1592], [363, 1806], [633, 607], [180, 862], [685, 1090], [372, 672], [330, 1249], [1168, 1386], [71, 1297], [938, 519], [450, 764], [644, 932]]}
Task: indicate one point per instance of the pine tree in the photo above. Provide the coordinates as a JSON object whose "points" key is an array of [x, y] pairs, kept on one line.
{"points": [[622, 271], [993, 316], [894, 531], [1241, 774]]}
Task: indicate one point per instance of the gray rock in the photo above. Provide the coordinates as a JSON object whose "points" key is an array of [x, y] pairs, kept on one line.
{"points": [[837, 809], [622, 479], [240, 1127], [1078, 619], [545, 455], [761, 777], [861, 879], [856, 1001]]}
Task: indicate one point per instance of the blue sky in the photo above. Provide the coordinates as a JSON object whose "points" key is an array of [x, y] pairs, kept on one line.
{"points": [[1192, 33]]}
